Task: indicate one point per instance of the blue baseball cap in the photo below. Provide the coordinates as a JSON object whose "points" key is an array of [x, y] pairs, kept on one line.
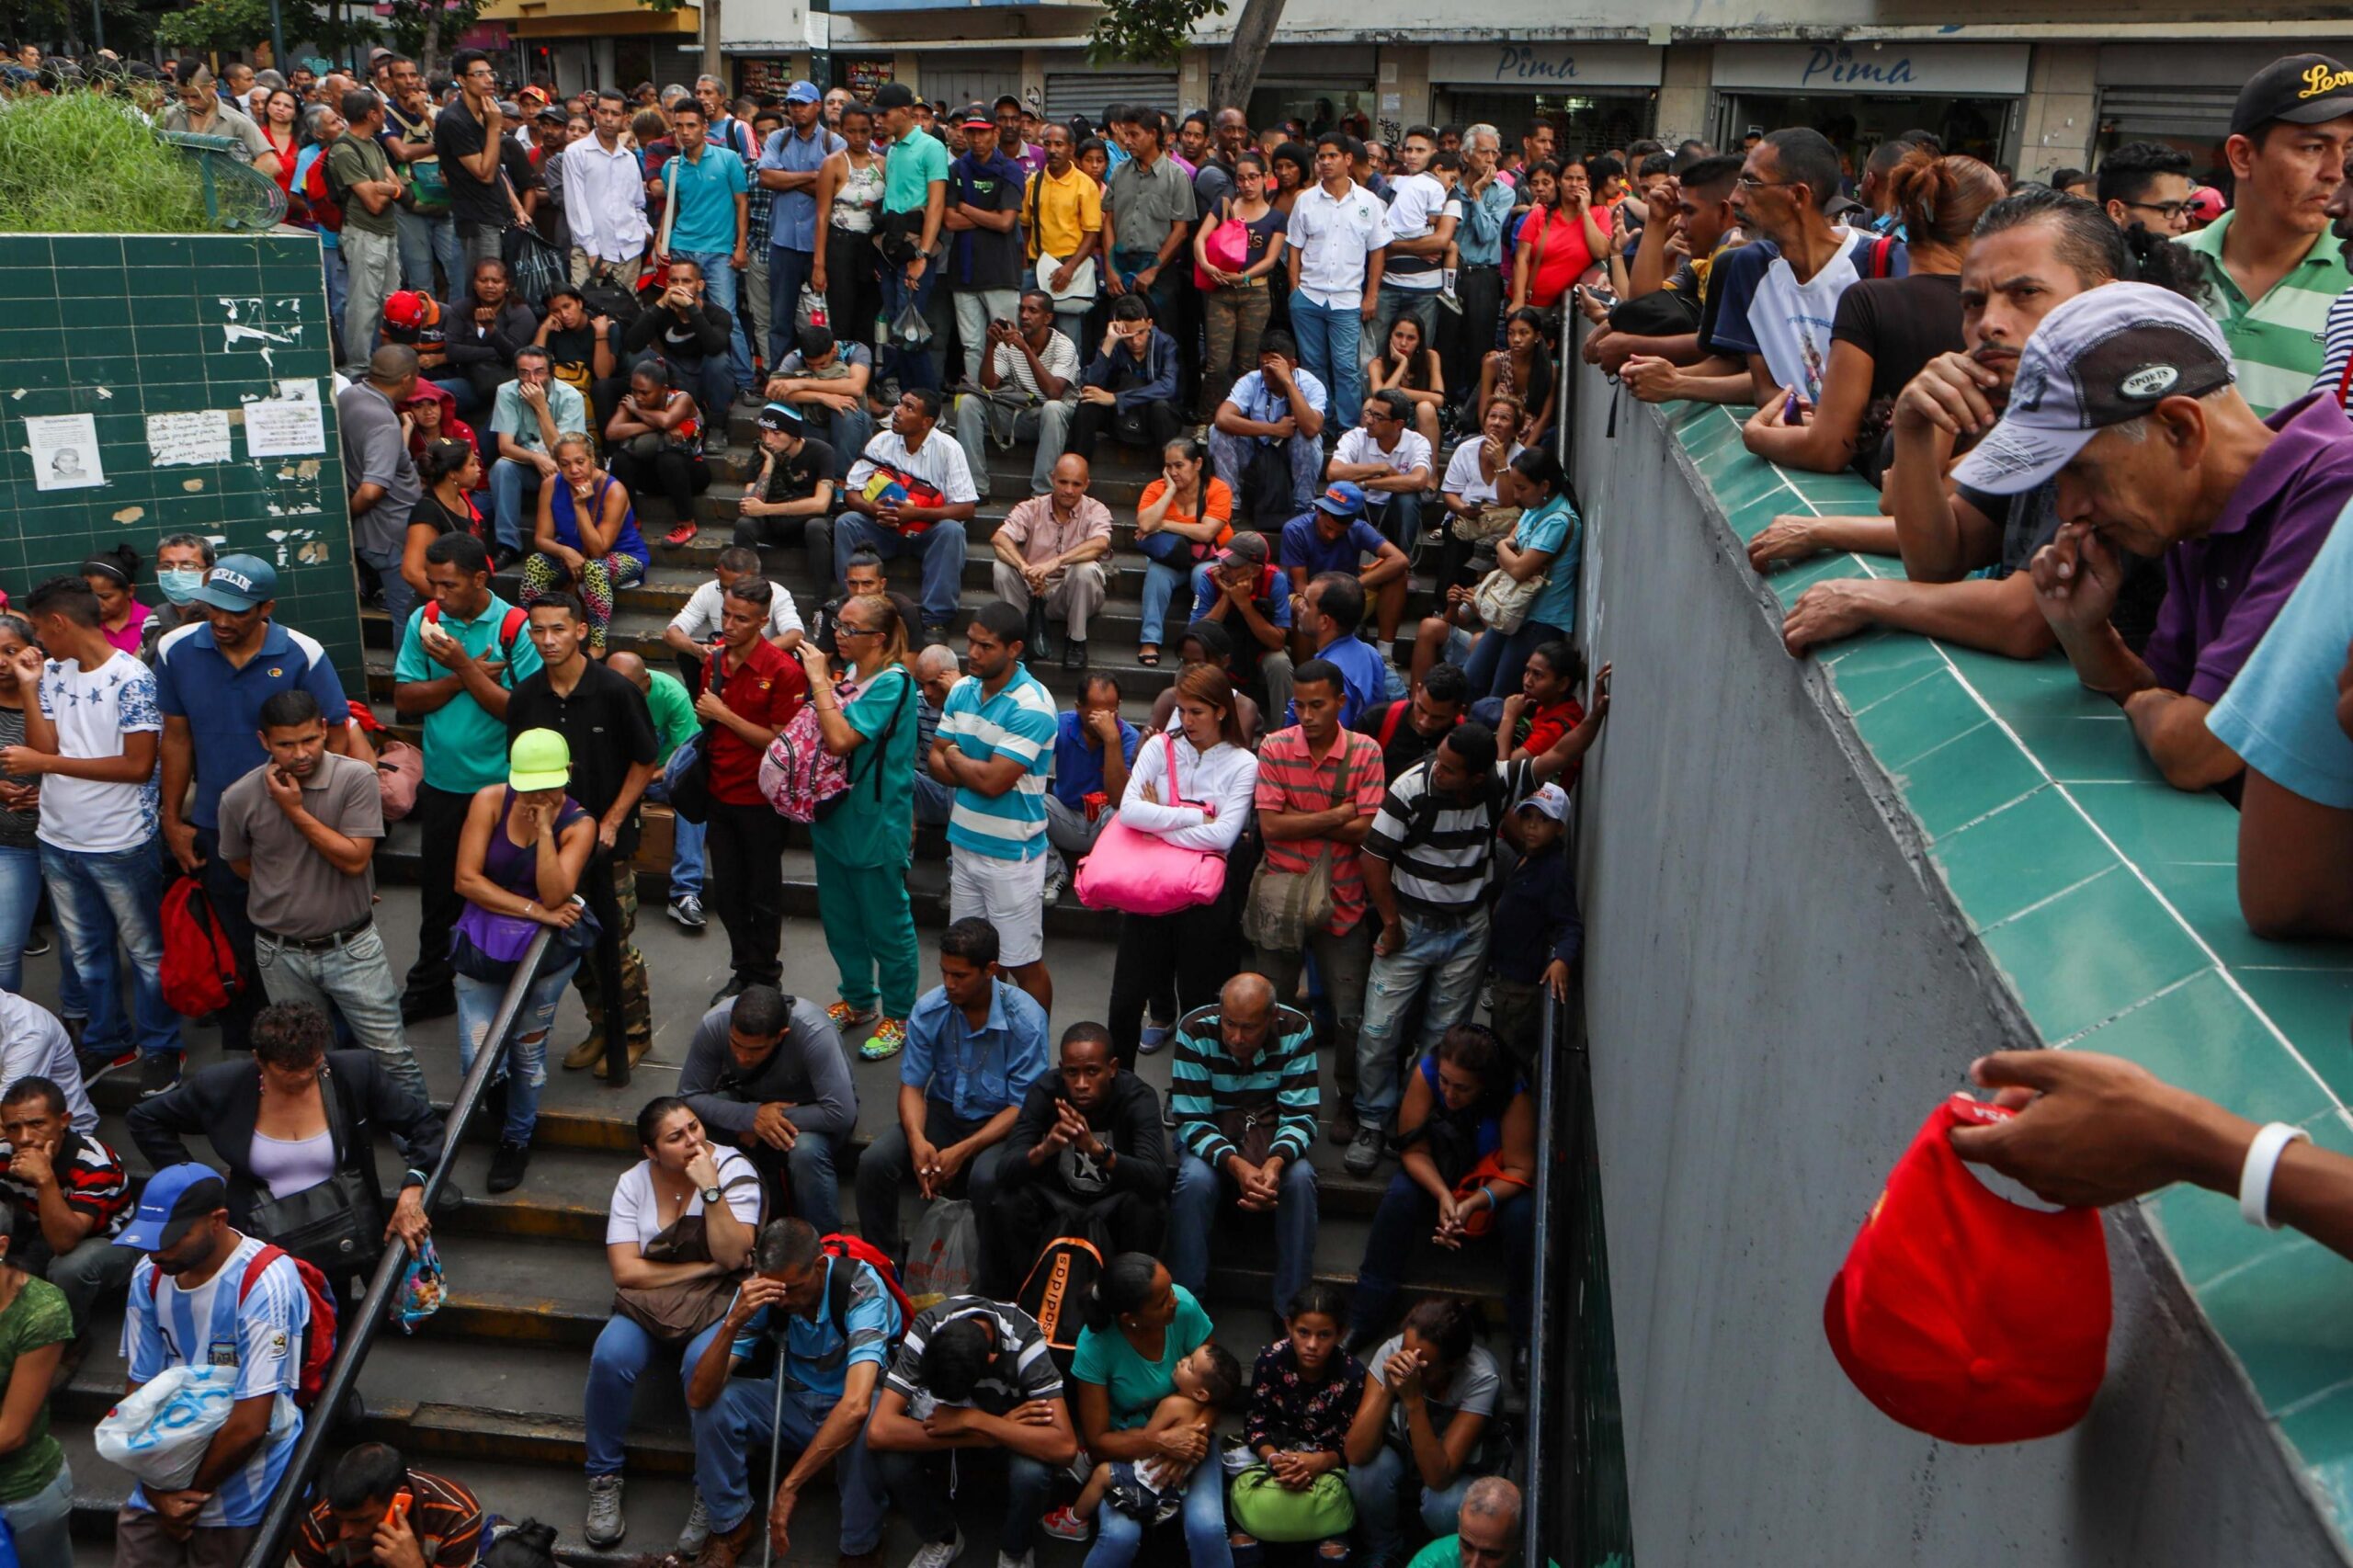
{"points": [[1342, 500], [174, 1198], [802, 93], [238, 583]]}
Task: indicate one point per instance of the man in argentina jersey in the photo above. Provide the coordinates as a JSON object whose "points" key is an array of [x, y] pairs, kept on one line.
{"points": [[190, 1307]]}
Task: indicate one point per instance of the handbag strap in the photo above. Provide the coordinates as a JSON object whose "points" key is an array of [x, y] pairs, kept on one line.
{"points": [[1175, 792]]}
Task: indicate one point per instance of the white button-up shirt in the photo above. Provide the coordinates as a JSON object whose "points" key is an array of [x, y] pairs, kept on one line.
{"points": [[603, 199], [1333, 235]]}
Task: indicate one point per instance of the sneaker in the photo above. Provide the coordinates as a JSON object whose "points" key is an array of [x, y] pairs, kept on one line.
{"points": [[697, 1528], [890, 1038], [37, 946], [1364, 1153], [99, 1061], [1450, 300], [606, 1526], [1057, 879], [1007, 1560], [683, 534], [1344, 1120], [1064, 1525], [937, 1553], [507, 1164], [159, 1073], [846, 1019], [687, 911], [1155, 1037]]}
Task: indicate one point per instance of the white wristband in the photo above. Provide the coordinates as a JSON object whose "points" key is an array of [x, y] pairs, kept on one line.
{"points": [[2255, 1177]]}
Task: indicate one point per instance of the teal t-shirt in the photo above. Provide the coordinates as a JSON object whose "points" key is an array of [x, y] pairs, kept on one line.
{"points": [[1445, 1552], [1134, 1384], [909, 171], [465, 748], [707, 191], [865, 829], [1554, 526], [672, 712]]}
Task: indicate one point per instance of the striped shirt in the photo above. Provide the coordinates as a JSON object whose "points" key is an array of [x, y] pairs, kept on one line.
{"points": [[1205, 1084], [90, 1179], [1018, 721], [1290, 780], [447, 1519], [2277, 342], [260, 1335], [2337, 351], [1440, 851], [1024, 1368]]}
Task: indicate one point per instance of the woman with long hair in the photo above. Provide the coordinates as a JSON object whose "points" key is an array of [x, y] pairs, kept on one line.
{"points": [[1561, 239], [1181, 519], [1409, 364], [280, 123], [451, 472], [586, 538], [1545, 543], [850, 193], [1431, 1392], [122, 618], [1522, 367], [1236, 304], [656, 439]]}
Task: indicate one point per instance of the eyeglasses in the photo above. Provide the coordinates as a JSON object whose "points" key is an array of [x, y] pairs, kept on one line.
{"points": [[2165, 210], [843, 629], [1750, 182]]}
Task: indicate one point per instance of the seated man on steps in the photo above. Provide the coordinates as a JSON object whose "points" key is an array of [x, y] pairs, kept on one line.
{"points": [[790, 500], [1238, 592], [1094, 748], [1028, 388], [1390, 460], [1053, 547], [824, 1322], [975, 1044], [937, 673], [1334, 536], [1277, 412], [1087, 1151], [694, 630], [826, 379], [766, 1071], [70, 1192], [911, 493], [1131, 388]]}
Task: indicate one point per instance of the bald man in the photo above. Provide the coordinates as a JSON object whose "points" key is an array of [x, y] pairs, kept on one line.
{"points": [[1487, 1530], [936, 670], [1253, 1055], [1052, 547]]}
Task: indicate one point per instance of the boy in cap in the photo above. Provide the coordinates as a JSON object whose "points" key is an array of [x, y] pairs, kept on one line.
{"points": [[2125, 397], [1335, 535], [788, 164], [202, 1296], [791, 501], [1538, 932]]}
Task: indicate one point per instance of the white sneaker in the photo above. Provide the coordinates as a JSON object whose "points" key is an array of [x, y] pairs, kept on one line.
{"points": [[1007, 1560], [937, 1553], [1057, 878], [606, 1526], [697, 1528]]}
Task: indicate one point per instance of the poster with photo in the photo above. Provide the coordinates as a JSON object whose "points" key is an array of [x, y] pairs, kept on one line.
{"points": [[64, 449]]}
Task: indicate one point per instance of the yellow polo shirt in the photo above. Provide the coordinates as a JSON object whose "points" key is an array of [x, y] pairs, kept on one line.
{"points": [[1059, 213]]}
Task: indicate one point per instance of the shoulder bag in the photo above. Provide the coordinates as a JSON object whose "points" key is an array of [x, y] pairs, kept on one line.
{"points": [[1141, 873], [337, 1226], [1503, 603], [675, 1313], [1285, 908]]}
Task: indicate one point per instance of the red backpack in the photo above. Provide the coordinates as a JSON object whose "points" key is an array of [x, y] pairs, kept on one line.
{"points": [[200, 964], [318, 1338], [510, 627], [860, 1250], [323, 201]]}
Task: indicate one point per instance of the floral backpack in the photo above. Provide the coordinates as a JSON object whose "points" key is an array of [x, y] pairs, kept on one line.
{"points": [[803, 781]]}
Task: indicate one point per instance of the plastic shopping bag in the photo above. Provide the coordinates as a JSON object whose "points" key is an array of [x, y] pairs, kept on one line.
{"points": [[908, 329], [422, 1289], [810, 309], [160, 1434], [944, 1253]]}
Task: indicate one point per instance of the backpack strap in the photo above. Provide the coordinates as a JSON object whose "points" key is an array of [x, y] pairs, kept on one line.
{"points": [[1389, 723], [838, 1283], [254, 1268]]}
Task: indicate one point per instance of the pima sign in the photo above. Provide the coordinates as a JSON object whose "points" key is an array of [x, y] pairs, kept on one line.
{"points": [[1864, 66], [1540, 65]]}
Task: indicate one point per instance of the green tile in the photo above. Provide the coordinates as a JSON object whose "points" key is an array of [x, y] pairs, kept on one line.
{"points": [[2282, 1315], [2021, 855], [2088, 955], [1966, 778], [2163, 824], [1788, 584], [2322, 1430], [2206, 893], [1867, 671], [2077, 745], [2027, 684], [2203, 1033], [70, 253], [1931, 714], [2311, 1008]]}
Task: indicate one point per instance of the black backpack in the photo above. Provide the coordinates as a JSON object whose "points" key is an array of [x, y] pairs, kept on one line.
{"points": [[1057, 1289], [603, 296]]}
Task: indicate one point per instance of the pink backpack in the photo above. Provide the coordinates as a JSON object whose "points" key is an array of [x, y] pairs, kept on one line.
{"points": [[799, 776]]}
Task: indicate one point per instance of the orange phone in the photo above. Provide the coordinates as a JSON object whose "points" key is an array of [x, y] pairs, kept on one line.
{"points": [[398, 1512]]}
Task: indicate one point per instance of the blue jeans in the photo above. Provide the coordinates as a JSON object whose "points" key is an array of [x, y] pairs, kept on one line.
{"points": [[1407, 1217], [339, 291], [942, 546], [919, 1487], [510, 482], [424, 241], [1451, 955], [621, 1352], [685, 848], [741, 1423], [912, 366], [20, 897], [719, 287], [1399, 519], [1192, 1217], [102, 895], [39, 1521], [357, 977], [788, 270], [1497, 662], [1380, 1489], [461, 388], [525, 1068], [1168, 565], [1161, 295], [1328, 338], [1118, 1537], [935, 801], [399, 597]]}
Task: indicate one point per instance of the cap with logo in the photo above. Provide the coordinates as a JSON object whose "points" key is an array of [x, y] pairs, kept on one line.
{"points": [[2107, 356], [802, 93], [1343, 499], [1962, 1314], [782, 417], [976, 117], [2302, 89], [1245, 547], [409, 309], [1550, 800], [539, 759], [238, 583], [174, 1199]]}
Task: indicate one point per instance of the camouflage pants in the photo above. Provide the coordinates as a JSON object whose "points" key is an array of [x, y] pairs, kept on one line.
{"points": [[637, 996]]}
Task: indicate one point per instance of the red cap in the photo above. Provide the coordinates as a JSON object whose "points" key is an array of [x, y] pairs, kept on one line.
{"points": [[407, 309], [1962, 1314]]}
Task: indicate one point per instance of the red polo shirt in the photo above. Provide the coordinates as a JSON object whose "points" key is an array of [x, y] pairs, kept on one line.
{"points": [[767, 688]]}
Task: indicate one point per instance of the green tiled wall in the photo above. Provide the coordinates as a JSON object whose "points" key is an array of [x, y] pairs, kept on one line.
{"points": [[123, 327], [2108, 902]]}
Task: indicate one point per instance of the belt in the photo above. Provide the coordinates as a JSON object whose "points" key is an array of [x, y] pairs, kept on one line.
{"points": [[352, 932]]}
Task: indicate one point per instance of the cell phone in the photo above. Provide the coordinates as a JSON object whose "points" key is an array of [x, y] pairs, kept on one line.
{"points": [[398, 1512]]}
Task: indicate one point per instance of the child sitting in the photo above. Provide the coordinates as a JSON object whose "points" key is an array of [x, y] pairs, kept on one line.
{"points": [[1151, 1490]]}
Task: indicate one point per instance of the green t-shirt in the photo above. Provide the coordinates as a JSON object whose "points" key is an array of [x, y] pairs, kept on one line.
{"points": [[465, 748], [909, 171], [864, 830], [1445, 1552], [38, 1316], [351, 159], [673, 712], [1134, 1384]]}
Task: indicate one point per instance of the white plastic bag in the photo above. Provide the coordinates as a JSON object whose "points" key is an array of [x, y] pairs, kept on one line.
{"points": [[161, 1433], [943, 1254]]}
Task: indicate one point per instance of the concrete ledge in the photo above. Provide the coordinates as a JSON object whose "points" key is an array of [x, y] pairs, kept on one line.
{"points": [[1815, 891]]}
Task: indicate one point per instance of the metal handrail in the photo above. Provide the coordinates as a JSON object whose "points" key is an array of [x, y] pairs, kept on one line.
{"points": [[359, 1327], [1554, 1170]]}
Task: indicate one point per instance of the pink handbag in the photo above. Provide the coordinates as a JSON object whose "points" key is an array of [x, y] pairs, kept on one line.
{"points": [[1141, 873], [1229, 249]]}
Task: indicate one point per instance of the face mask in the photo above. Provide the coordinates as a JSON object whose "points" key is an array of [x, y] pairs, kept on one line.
{"points": [[179, 583]]}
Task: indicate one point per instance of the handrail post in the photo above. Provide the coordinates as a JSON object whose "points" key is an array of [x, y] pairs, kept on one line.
{"points": [[359, 1327]]}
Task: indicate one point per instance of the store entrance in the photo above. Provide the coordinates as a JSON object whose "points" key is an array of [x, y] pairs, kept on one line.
{"points": [[1857, 124], [1584, 124]]}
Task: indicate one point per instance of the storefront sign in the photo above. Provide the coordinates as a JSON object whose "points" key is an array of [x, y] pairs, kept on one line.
{"points": [[1546, 66], [764, 75], [1901, 68]]}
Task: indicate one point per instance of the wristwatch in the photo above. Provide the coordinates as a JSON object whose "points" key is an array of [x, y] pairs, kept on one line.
{"points": [[710, 1195]]}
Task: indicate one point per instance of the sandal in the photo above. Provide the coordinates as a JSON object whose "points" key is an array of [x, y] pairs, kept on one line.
{"points": [[1148, 657]]}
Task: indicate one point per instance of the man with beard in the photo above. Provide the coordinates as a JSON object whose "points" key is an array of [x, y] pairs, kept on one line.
{"points": [[1087, 1148]]}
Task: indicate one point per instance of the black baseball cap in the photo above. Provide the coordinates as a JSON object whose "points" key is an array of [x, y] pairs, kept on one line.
{"points": [[2303, 89]]}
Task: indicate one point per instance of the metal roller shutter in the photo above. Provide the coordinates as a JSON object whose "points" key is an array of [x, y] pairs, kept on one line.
{"points": [[962, 79], [2198, 113], [1091, 92]]}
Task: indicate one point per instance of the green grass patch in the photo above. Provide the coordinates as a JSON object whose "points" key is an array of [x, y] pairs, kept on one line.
{"points": [[85, 162]]}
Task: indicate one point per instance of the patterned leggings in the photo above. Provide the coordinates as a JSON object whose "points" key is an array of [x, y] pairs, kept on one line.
{"points": [[596, 583]]}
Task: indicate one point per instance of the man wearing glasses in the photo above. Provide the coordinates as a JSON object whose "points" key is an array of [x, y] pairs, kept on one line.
{"points": [[2147, 183], [467, 136]]}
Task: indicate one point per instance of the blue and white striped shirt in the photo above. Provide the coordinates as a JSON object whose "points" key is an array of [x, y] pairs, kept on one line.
{"points": [[1018, 721], [209, 1326]]}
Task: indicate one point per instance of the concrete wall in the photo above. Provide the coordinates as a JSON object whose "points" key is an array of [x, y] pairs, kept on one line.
{"points": [[1779, 990]]}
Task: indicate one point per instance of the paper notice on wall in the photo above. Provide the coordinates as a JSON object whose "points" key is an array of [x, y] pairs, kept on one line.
{"points": [[177, 440], [64, 449], [1392, 103], [287, 425]]}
